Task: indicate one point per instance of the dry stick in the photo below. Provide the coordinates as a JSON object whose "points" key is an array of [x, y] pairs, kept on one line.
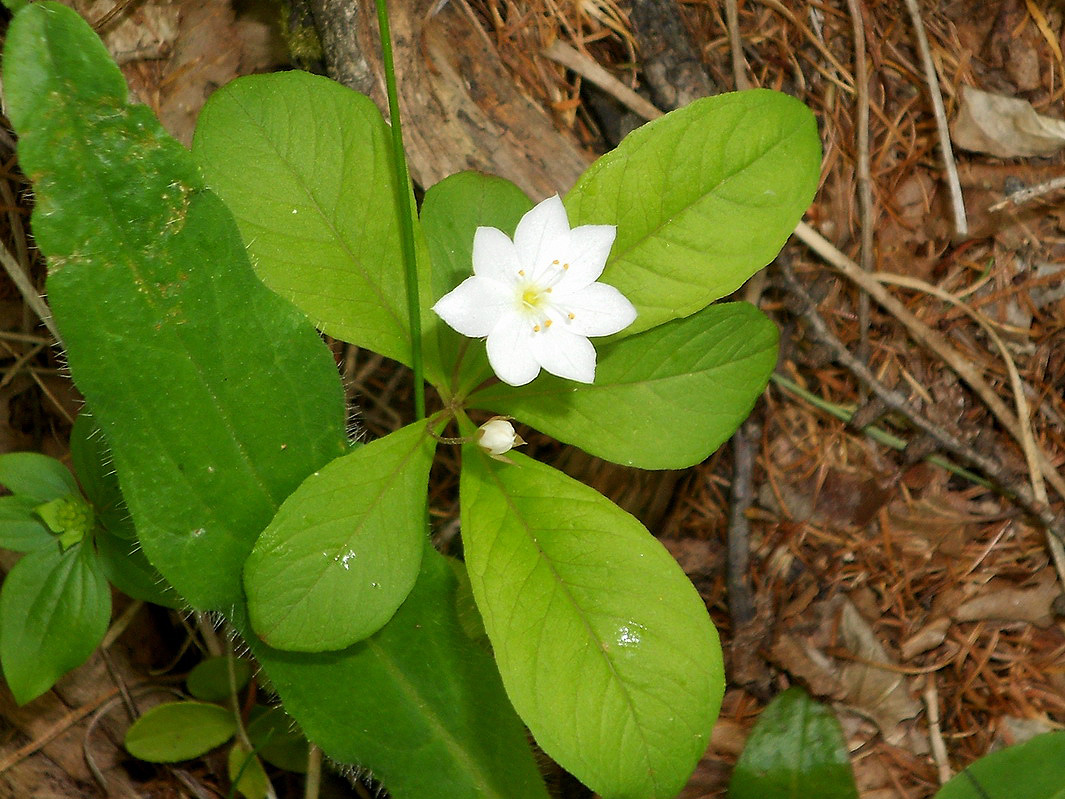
{"points": [[588, 69], [1023, 196], [865, 186], [898, 403], [961, 226], [740, 598], [28, 290], [935, 734], [739, 65]]}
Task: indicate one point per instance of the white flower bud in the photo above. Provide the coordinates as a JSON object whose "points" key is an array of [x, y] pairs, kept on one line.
{"points": [[497, 436]]}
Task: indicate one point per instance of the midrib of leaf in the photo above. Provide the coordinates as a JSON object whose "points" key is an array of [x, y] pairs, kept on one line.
{"points": [[359, 268], [579, 612]]}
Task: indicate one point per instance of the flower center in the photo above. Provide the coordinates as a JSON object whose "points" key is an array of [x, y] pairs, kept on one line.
{"points": [[533, 299]]}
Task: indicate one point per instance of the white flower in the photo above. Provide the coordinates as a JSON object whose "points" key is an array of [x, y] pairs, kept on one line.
{"points": [[536, 297], [497, 436]]}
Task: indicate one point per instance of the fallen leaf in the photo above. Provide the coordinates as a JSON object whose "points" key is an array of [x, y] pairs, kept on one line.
{"points": [[1004, 126], [1001, 600], [928, 637]]}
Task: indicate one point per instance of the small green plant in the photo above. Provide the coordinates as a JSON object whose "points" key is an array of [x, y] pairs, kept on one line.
{"points": [[188, 287]]}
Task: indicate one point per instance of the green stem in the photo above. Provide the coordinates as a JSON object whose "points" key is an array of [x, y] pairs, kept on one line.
{"points": [[406, 217], [875, 433]]}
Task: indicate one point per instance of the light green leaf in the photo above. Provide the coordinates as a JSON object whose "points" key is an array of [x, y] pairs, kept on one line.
{"points": [[665, 399], [702, 198], [54, 610], [209, 679], [216, 396], [1034, 769], [343, 551], [305, 165], [796, 751], [179, 731], [604, 646], [246, 772], [451, 212], [20, 529], [36, 476], [417, 703]]}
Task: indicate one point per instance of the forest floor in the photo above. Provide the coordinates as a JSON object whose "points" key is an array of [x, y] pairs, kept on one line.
{"points": [[919, 601]]}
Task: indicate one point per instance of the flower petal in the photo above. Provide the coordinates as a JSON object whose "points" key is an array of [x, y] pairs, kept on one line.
{"points": [[495, 256], [598, 310], [589, 247], [510, 350], [475, 306], [542, 236], [564, 354]]}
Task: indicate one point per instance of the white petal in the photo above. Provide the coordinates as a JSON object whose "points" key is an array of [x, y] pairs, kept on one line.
{"points": [[564, 354], [494, 255], [598, 310], [542, 236], [589, 247], [475, 306], [510, 351]]}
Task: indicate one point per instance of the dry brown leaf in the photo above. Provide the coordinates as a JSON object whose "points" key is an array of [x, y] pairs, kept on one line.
{"points": [[928, 637], [881, 694], [808, 665], [1001, 600], [1004, 126]]}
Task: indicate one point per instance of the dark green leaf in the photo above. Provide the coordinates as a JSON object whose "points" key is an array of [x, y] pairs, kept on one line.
{"points": [[179, 731], [36, 476], [1034, 769], [128, 570], [20, 528], [54, 610], [246, 772], [209, 679], [277, 739], [796, 751], [216, 396], [91, 458]]}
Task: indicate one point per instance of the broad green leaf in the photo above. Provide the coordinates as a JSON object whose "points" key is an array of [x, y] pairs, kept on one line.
{"points": [[36, 476], [702, 198], [664, 399], [54, 610], [343, 551], [209, 679], [179, 731], [604, 646], [795, 751], [246, 772], [451, 212], [276, 739], [417, 703], [20, 529], [1034, 769], [305, 164], [216, 396]]}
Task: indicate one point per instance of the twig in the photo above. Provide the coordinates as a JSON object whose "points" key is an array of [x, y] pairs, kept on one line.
{"points": [[314, 772], [588, 69], [739, 65], [865, 187], [935, 735], [740, 600], [961, 226], [28, 290], [1023, 196], [898, 403]]}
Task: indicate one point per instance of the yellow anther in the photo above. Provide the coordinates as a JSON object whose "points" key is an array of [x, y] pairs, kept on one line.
{"points": [[536, 328], [548, 290], [521, 272], [547, 323], [564, 266], [555, 262], [572, 316]]}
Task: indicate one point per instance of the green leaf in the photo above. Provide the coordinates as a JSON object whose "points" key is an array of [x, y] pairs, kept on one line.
{"points": [[702, 198], [20, 529], [70, 514], [216, 396], [54, 610], [451, 212], [343, 551], [795, 751], [604, 646], [209, 679], [664, 399], [128, 570], [91, 459], [36, 476], [177, 731], [1034, 769], [246, 772], [305, 165], [276, 738], [417, 703]]}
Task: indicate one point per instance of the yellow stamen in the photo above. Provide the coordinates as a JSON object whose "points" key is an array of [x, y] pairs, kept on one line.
{"points": [[547, 323], [521, 272], [555, 262], [572, 316], [536, 328], [564, 266]]}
